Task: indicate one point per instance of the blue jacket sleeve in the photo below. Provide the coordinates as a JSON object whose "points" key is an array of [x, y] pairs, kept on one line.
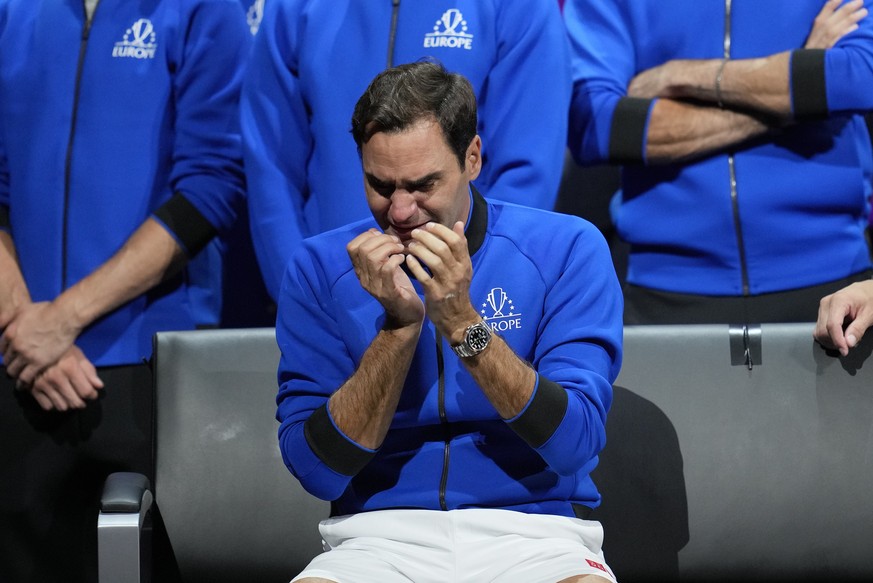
{"points": [[826, 82], [578, 356], [523, 106], [315, 362], [4, 164], [277, 141], [207, 168], [603, 64]]}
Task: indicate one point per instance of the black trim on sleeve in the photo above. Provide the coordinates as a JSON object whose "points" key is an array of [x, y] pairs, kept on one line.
{"points": [[542, 417], [808, 91], [331, 447], [628, 131], [190, 227], [4, 218]]}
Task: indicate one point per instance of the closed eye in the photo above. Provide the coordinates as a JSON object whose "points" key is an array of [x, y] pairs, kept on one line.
{"points": [[422, 185], [385, 189]]}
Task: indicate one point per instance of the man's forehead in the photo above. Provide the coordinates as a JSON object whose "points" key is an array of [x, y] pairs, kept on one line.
{"points": [[410, 154]]}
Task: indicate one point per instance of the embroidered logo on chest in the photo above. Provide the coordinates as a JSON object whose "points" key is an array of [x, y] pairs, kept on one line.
{"points": [[138, 41], [450, 31], [499, 311]]}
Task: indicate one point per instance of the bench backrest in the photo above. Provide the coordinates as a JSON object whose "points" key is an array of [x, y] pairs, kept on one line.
{"points": [[715, 470], [712, 469], [233, 512]]}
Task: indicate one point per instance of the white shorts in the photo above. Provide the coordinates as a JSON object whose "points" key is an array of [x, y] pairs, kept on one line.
{"points": [[473, 546]]}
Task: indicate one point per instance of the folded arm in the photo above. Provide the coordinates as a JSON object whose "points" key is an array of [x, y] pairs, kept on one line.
{"points": [[687, 109]]}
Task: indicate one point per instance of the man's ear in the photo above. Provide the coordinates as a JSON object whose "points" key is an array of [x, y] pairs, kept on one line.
{"points": [[473, 159]]}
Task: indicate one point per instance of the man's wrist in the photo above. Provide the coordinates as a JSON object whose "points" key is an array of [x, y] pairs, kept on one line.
{"points": [[701, 79], [476, 338], [459, 328], [405, 332], [67, 314]]}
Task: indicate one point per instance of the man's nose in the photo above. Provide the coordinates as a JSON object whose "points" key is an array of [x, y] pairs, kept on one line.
{"points": [[403, 206]]}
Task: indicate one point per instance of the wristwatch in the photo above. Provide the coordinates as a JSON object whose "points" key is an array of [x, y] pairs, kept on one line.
{"points": [[476, 339]]}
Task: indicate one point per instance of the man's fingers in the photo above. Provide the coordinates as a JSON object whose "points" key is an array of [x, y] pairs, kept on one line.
{"points": [[855, 331], [43, 401], [417, 269], [82, 386], [90, 373], [14, 365], [420, 251], [55, 399], [440, 241], [58, 380], [79, 374], [28, 374], [829, 323], [370, 250]]}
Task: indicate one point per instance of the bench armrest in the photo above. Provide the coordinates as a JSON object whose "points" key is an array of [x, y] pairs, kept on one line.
{"points": [[122, 541]]}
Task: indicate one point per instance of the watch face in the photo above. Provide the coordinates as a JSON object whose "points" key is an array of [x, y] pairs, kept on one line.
{"points": [[478, 338]]}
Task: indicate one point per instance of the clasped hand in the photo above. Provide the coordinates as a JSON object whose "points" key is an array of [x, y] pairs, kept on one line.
{"points": [[38, 351], [438, 258]]}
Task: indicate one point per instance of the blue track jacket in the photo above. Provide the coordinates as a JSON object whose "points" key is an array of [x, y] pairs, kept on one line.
{"points": [[107, 124], [780, 212], [545, 283], [312, 60]]}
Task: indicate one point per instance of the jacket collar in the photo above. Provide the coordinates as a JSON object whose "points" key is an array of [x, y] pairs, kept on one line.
{"points": [[477, 225]]}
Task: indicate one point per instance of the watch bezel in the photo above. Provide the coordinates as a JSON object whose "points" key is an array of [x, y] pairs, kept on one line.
{"points": [[476, 339]]}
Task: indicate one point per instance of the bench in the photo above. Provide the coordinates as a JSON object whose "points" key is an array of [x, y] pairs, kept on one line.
{"points": [[732, 453]]}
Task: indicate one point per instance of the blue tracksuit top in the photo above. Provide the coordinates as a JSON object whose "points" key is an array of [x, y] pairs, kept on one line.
{"points": [[545, 282], [103, 126], [312, 60], [801, 194]]}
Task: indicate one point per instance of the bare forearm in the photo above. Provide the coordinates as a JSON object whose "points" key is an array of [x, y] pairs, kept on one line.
{"points": [[506, 380], [150, 255], [13, 290], [680, 131], [364, 405], [756, 85]]}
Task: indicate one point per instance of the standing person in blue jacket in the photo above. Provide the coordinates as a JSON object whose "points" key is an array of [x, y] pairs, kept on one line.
{"points": [[447, 363], [746, 165], [313, 58], [120, 159]]}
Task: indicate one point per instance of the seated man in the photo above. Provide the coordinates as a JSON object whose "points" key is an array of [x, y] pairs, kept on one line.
{"points": [[446, 369]]}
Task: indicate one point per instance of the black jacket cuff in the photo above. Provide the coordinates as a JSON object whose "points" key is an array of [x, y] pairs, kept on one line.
{"points": [[627, 135], [190, 227], [808, 91], [332, 447], [543, 415]]}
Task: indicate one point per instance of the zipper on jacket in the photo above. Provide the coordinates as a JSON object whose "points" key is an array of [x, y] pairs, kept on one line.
{"points": [[447, 436], [68, 163], [392, 35], [732, 170]]}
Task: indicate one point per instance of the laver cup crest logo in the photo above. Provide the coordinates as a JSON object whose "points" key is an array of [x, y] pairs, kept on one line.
{"points": [[499, 312], [449, 31], [497, 299], [138, 41]]}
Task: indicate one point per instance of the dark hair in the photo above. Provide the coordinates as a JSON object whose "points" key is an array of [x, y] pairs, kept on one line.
{"points": [[400, 97]]}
